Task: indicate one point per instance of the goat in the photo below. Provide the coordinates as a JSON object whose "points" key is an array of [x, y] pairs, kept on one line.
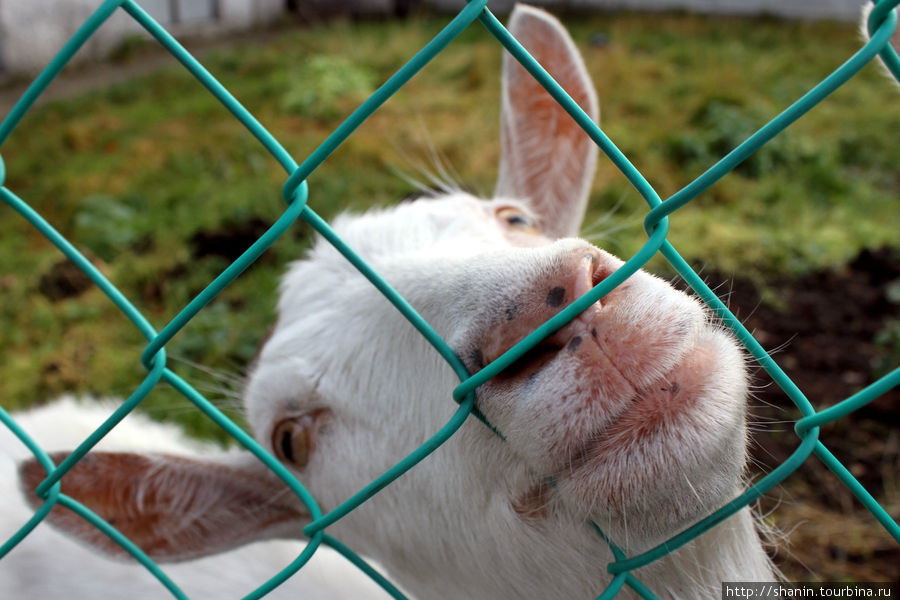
{"points": [[635, 410]]}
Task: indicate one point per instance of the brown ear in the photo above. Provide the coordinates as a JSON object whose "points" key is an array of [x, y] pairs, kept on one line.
{"points": [[546, 158], [173, 508]]}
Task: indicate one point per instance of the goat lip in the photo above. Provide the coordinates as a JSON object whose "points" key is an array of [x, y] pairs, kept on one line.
{"points": [[643, 414]]}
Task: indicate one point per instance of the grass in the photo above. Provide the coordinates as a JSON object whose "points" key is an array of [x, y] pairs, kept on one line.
{"points": [[145, 176]]}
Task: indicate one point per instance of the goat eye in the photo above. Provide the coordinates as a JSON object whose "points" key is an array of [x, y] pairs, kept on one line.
{"points": [[291, 440], [515, 218]]}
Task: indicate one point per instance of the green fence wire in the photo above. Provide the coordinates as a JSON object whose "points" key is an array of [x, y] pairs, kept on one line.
{"points": [[882, 23]]}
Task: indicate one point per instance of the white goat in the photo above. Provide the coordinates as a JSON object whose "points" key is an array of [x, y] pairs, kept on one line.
{"points": [[635, 409]]}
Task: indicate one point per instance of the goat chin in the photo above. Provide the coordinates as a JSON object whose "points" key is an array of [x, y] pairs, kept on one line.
{"points": [[635, 408]]}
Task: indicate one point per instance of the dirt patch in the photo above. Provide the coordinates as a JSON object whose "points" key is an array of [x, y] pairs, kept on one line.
{"points": [[63, 280], [833, 333], [229, 241]]}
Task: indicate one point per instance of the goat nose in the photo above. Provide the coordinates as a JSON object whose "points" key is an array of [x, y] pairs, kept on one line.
{"points": [[572, 273], [582, 269], [593, 270]]}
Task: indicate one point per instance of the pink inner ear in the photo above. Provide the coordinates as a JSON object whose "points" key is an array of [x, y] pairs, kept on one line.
{"points": [[173, 508], [547, 159]]}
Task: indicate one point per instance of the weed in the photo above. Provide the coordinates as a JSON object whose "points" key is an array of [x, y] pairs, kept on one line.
{"points": [[327, 86]]}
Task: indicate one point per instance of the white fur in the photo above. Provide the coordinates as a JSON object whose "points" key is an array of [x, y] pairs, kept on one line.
{"points": [[448, 527], [635, 409], [50, 565]]}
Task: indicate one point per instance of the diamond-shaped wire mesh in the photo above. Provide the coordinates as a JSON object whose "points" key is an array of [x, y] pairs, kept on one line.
{"points": [[295, 191]]}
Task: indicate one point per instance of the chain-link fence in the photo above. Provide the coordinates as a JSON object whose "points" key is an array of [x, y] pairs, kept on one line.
{"points": [[295, 191]]}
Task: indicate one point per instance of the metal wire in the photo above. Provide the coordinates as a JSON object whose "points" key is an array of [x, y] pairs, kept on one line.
{"points": [[881, 25]]}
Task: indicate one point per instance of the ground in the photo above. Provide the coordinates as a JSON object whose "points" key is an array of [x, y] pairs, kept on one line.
{"points": [[832, 332]]}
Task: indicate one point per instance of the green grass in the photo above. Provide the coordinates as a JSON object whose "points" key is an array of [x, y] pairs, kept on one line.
{"points": [[135, 173]]}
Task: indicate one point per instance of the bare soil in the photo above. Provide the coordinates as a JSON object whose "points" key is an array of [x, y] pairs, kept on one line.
{"points": [[827, 331]]}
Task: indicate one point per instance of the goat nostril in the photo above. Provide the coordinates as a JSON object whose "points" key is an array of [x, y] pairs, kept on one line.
{"points": [[556, 296], [601, 271], [590, 270], [598, 276]]}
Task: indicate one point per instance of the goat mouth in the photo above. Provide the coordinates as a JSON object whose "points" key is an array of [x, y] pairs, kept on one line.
{"points": [[685, 402], [603, 404], [530, 363], [575, 337]]}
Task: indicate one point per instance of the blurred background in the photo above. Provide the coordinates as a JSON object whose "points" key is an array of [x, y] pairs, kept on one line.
{"points": [[139, 166]]}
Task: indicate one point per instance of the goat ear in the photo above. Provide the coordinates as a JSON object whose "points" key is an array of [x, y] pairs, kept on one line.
{"points": [[546, 158], [173, 508]]}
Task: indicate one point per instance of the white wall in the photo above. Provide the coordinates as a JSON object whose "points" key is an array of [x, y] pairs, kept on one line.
{"points": [[33, 31], [847, 10]]}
